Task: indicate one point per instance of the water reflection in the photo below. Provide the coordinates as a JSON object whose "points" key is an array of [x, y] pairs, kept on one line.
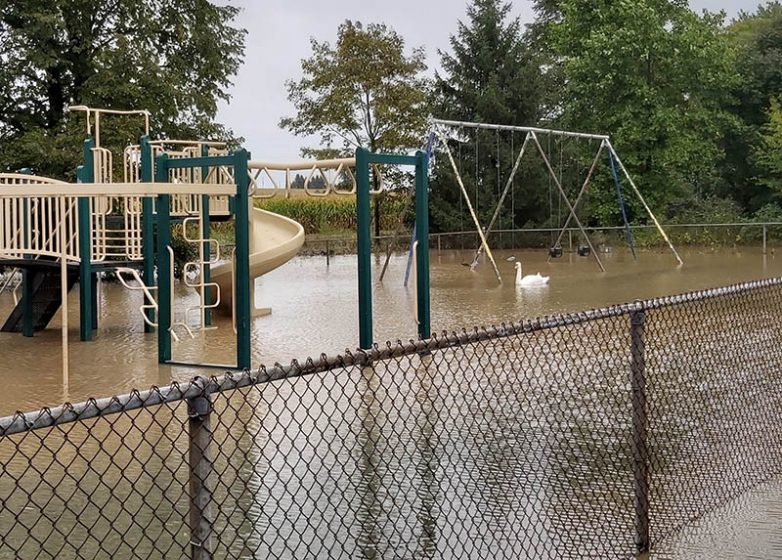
{"points": [[428, 461], [369, 515]]}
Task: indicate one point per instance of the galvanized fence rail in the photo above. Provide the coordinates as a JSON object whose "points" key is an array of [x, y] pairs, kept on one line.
{"points": [[591, 435], [766, 235]]}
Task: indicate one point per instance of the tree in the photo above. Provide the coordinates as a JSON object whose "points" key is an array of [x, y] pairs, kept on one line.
{"points": [[657, 77], [173, 57], [490, 75], [768, 152], [362, 91], [757, 39]]}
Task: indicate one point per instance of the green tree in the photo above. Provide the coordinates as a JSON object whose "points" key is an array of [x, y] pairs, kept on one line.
{"points": [[490, 75], [657, 77], [768, 152], [175, 58], [362, 91], [757, 39]]}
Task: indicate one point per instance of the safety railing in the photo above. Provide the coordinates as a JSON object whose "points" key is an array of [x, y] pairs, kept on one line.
{"points": [[599, 434], [183, 205], [32, 210], [31, 226]]}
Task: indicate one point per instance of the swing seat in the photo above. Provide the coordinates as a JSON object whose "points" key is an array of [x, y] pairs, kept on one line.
{"points": [[555, 252], [584, 251]]}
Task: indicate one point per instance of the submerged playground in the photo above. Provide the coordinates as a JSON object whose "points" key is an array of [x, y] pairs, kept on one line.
{"points": [[603, 433]]}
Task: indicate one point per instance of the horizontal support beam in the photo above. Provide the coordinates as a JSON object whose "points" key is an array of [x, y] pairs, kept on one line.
{"points": [[551, 132], [303, 165], [200, 161], [114, 189], [390, 159], [93, 111], [187, 143]]}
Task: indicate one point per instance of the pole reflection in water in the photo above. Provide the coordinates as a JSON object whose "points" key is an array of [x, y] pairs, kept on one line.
{"points": [[427, 461], [370, 485]]}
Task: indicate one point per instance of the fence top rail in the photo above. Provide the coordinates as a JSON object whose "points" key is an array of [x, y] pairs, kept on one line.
{"points": [[113, 189], [199, 386], [610, 228]]}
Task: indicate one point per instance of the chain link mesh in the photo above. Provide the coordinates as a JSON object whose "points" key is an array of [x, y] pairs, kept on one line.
{"points": [[578, 436]]}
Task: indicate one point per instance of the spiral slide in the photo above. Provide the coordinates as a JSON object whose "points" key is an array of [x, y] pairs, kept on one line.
{"points": [[274, 240]]}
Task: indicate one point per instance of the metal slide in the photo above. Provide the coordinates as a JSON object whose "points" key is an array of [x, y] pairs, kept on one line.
{"points": [[274, 240]]}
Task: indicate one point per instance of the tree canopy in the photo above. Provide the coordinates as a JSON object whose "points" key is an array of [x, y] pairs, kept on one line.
{"points": [[173, 57], [491, 75], [655, 76], [362, 91]]}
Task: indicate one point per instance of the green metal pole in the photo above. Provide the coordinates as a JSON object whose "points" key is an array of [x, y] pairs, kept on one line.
{"points": [[364, 249], [28, 277], [422, 252], [164, 263], [242, 258], [147, 225], [206, 227], [87, 310], [94, 290]]}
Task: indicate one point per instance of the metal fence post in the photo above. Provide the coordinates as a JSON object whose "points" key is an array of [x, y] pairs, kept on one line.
{"points": [[764, 239], [200, 461], [640, 424]]}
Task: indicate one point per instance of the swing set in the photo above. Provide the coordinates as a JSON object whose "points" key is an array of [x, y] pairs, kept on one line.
{"points": [[446, 132]]}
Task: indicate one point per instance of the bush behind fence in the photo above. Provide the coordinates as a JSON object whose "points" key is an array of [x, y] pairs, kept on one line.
{"points": [[592, 435]]}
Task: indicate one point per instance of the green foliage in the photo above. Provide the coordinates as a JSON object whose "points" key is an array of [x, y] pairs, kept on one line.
{"points": [[491, 75], [184, 251], [757, 39], [768, 152], [362, 91], [332, 215], [771, 212], [656, 77], [173, 57]]}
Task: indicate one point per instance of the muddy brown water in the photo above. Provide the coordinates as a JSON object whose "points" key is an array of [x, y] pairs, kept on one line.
{"points": [[315, 311]]}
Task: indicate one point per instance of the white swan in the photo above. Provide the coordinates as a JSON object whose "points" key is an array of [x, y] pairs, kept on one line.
{"points": [[530, 280]]}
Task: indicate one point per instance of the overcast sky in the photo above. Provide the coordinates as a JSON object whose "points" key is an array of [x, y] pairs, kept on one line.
{"points": [[278, 38]]}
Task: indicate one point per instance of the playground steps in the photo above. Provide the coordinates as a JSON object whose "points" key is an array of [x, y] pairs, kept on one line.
{"points": [[46, 299]]}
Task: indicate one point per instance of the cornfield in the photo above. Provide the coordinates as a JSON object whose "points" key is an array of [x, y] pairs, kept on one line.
{"points": [[329, 215]]}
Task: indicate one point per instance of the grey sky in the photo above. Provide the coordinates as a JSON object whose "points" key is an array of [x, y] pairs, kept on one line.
{"points": [[278, 38]]}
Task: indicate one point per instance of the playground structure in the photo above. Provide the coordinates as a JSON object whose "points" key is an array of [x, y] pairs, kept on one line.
{"points": [[57, 234], [445, 131]]}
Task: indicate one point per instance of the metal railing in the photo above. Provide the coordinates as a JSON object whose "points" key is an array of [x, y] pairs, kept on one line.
{"points": [[591, 435], [761, 234]]}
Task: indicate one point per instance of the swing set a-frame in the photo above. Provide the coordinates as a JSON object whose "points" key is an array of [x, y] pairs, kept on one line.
{"points": [[442, 130]]}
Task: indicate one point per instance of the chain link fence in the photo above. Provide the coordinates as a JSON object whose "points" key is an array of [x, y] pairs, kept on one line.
{"points": [[765, 235], [595, 435]]}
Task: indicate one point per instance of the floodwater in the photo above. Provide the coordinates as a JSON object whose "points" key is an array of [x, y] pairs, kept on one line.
{"points": [[314, 311]]}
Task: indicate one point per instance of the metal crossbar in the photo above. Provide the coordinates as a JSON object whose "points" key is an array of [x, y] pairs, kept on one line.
{"points": [[588, 435]]}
